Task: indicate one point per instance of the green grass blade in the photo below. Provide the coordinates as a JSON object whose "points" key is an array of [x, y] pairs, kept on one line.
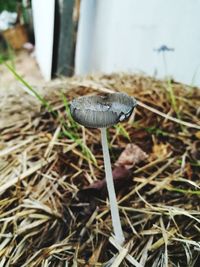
{"points": [[86, 151], [184, 191], [74, 125], [30, 88], [46, 104], [122, 131]]}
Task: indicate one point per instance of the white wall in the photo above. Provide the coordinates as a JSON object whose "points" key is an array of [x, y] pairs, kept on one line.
{"points": [[123, 35], [43, 21]]}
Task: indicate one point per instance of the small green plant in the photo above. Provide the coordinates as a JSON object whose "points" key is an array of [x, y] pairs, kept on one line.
{"points": [[120, 130], [184, 191], [7, 54], [73, 124], [156, 131], [169, 87], [172, 97], [30, 88], [70, 131], [192, 163]]}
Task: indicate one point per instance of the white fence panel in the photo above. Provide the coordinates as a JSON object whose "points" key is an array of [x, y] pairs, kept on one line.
{"points": [[125, 35]]}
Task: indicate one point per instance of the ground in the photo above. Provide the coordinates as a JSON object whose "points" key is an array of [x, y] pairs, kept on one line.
{"points": [[54, 209]]}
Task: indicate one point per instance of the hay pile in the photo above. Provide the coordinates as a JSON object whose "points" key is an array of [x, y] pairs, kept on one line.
{"points": [[54, 210]]}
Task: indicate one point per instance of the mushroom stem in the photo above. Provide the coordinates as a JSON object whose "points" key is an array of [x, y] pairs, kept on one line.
{"points": [[111, 190]]}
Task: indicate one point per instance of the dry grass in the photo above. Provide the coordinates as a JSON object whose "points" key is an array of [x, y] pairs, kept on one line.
{"points": [[46, 216]]}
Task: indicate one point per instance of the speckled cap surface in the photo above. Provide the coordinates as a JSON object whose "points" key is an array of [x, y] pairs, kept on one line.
{"points": [[102, 111]]}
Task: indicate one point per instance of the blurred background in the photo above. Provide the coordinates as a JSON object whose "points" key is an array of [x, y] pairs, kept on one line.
{"points": [[55, 38]]}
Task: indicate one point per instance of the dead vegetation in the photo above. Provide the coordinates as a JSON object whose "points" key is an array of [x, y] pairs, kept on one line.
{"points": [[53, 206]]}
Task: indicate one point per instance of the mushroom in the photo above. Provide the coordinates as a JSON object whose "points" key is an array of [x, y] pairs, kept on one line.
{"points": [[101, 112]]}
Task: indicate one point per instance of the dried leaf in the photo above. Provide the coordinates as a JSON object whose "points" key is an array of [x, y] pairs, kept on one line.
{"points": [[131, 156], [121, 177]]}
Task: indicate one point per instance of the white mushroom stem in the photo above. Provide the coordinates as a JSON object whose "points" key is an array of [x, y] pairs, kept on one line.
{"points": [[111, 190]]}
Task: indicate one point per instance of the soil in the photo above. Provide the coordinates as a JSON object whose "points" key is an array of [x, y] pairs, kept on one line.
{"points": [[54, 210]]}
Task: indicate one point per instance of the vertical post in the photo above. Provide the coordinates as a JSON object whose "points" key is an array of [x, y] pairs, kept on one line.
{"points": [[64, 38]]}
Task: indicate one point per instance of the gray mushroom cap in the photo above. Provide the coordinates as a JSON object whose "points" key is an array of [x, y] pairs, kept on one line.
{"points": [[102, 111]]}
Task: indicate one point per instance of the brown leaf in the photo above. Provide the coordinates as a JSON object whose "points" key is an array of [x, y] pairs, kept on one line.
{"points": [[131, 155], [121, 177]]}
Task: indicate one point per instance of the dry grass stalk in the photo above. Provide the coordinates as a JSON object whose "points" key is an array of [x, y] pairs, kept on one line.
{"points": [[47, 219]]}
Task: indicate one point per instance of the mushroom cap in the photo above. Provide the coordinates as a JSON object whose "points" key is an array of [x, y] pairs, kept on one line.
{"points": [[102, 111]]}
